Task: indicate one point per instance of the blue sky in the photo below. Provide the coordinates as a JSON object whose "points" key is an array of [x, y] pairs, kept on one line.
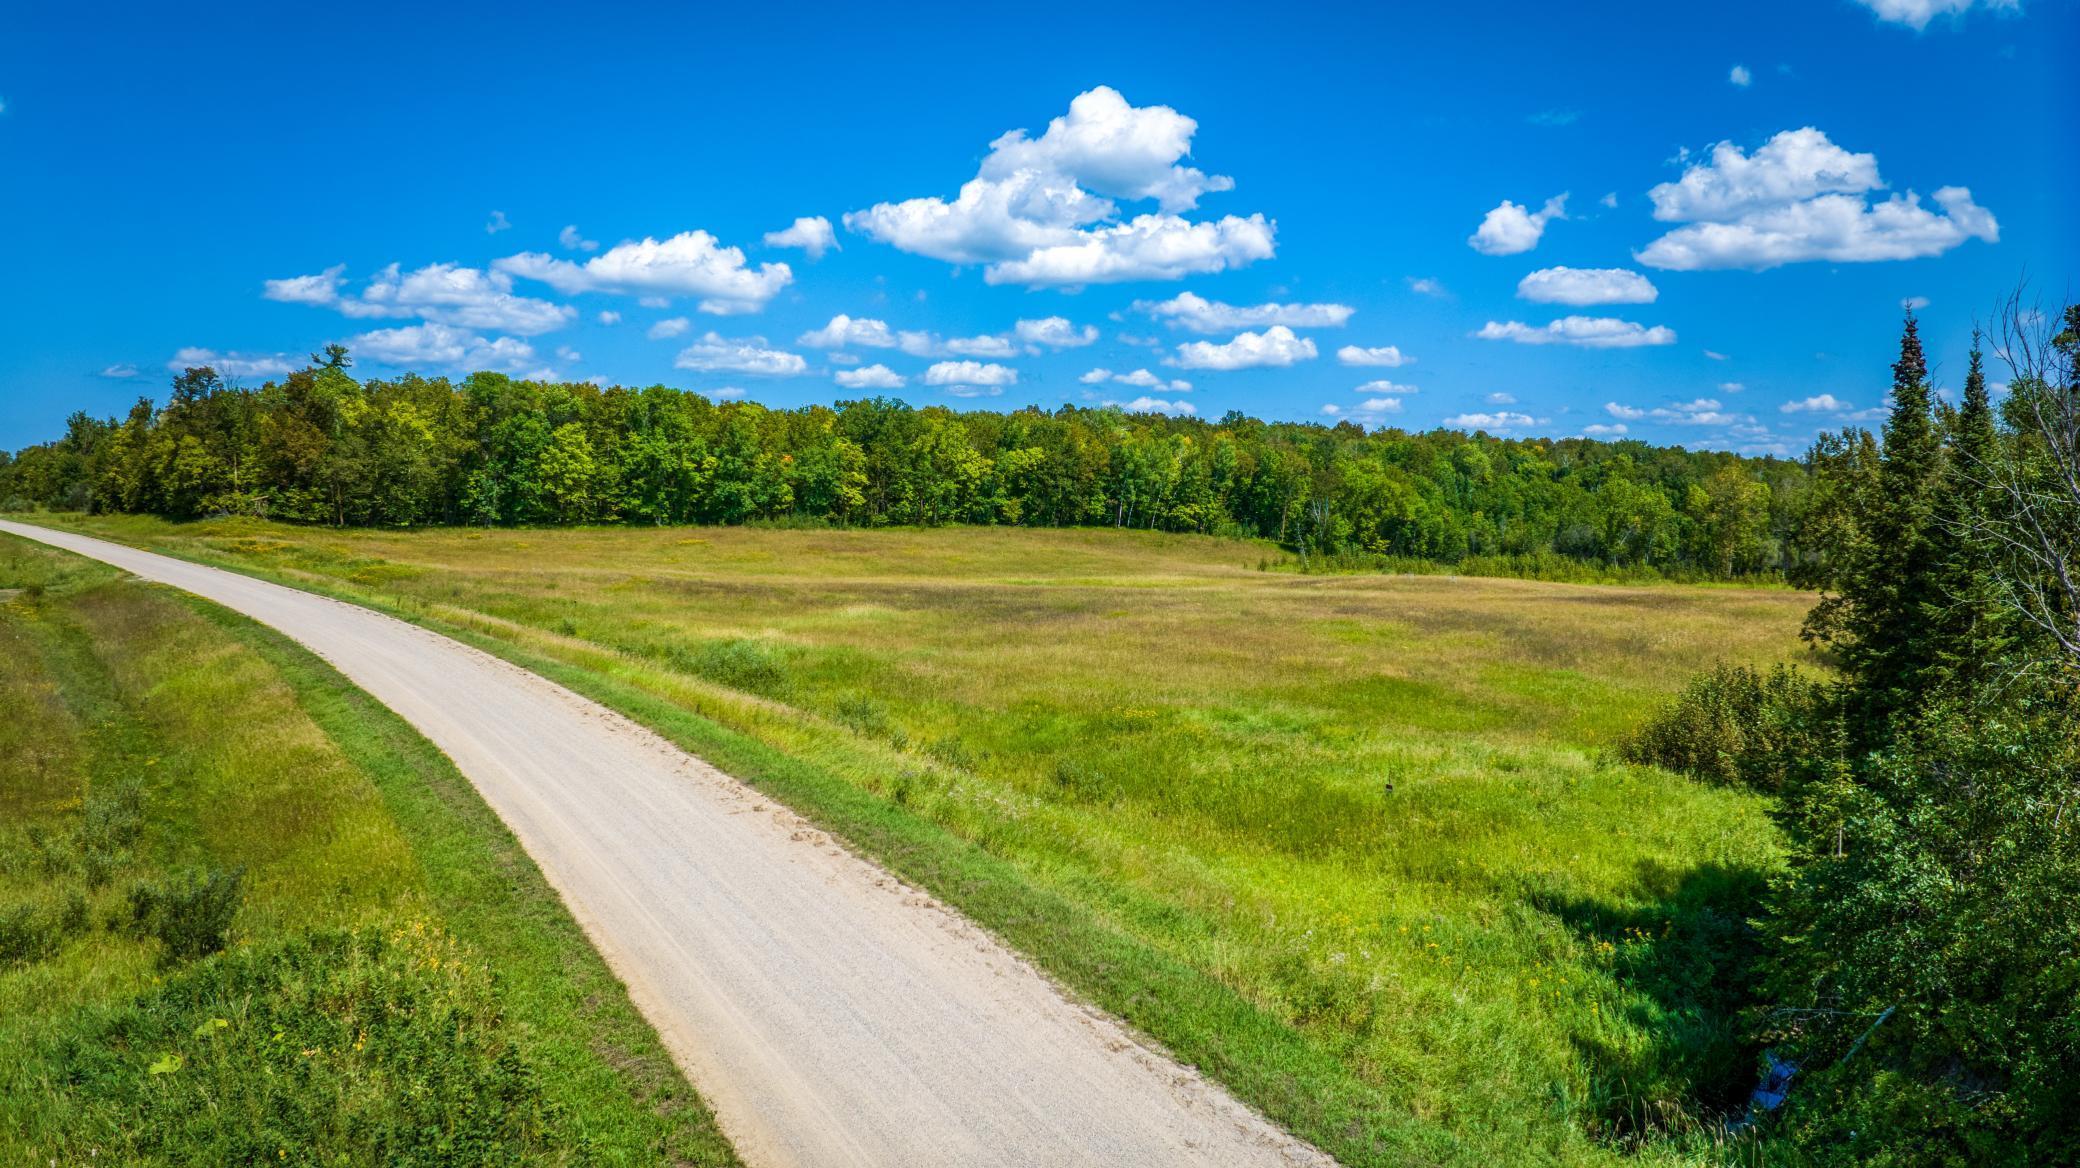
{"points": [[1218, 207]]}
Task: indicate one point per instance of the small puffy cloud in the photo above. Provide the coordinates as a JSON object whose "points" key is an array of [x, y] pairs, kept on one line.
{"points": [[450, 294], [119, 372], [566, 353], [1155, 405], [1045, 211], [1599, 430], [671, 327], [1501, 399], [1276, 346], [1190, 311], [1609, 199], [986, 345], [1503, 420], [320, 290], [1139, 378], [1702, 412], [725, 393], [233, 364], [1580, 287], [572, 240], [1391, 387], [1914, 303], [971, 373], [844, 331], [609, 318], [869, 377], [1371, 409], [1388, 356], [440, 346], [1800, 197], [1589, 332], [718, 354], [1732, 386], [1055, 332], [1716, 356], [691, 263], [1510, 229], [1825, 403], [1425, 286], [497, 223], [1916, 14], [1740, 76], [811, 233]]}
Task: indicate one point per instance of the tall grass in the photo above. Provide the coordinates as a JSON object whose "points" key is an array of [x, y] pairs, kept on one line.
{"points": [[233, 928], [1358, 844]]}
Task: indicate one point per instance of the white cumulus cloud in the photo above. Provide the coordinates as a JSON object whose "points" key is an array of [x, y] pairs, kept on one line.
{"points": [[1740, 76], [1825, 403], [574, 240], [1511, 229], [869, 377], [1581, 287], [1190, 311], [970, 373], [1800, 197], [811, 233], [1501, 420], [231, 364], [691, 263], [1055, 333], [468, 298], [714, 353], [1599, 430], [1389, 356], [673, 327], [1386, 387], [443, 346], [1155, 405], [1589, 332], [1275, 346], [1917, 13], [1046, 212]]}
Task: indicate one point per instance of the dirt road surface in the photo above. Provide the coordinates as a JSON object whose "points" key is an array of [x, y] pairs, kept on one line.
{"points": [[831, 1014]]}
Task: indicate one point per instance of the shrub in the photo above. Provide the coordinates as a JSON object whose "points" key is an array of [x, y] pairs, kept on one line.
{"points": [[1737, 724], [751, 666], [338, 1048], [32, 932], [190, 916]]}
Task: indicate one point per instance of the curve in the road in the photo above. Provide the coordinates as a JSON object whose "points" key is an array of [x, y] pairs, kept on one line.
{"points": [[831, 1014]]}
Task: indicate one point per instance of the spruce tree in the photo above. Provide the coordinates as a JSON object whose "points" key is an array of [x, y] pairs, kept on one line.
{"points": [[1963, 611], [1885, 639]]}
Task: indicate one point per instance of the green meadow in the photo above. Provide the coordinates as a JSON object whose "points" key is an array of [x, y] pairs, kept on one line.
{"points": [[247, 915], [1354, 844]]}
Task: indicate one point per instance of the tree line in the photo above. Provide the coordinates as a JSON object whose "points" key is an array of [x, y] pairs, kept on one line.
{"points": [[319, 446], [1920, 969]]}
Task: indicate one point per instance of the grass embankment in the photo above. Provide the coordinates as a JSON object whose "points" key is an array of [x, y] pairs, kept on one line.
{"points": [[398, 983], [1347, 842]]}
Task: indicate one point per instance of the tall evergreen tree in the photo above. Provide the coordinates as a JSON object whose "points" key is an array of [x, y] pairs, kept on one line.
{"points": [[1883, 640], [1963, 610]]}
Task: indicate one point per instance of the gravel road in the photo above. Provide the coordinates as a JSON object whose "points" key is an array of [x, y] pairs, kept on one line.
{"points": [[830, 1013]]}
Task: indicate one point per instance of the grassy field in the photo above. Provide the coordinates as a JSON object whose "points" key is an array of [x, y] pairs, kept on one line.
{"points": [[398, 983], [1348, 842]]}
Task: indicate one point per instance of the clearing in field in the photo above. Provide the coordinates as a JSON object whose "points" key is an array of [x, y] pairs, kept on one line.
{"points": [[1348, 842]]}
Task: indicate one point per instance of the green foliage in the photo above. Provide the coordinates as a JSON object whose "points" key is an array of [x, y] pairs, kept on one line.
{"points": [[1940, 880], [189, 915], [1739, 724], [320, 447], [375, 1047]]}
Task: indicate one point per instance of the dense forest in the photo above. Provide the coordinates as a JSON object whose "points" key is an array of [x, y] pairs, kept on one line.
{"points": [[321, 447], [1915, 976]]}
